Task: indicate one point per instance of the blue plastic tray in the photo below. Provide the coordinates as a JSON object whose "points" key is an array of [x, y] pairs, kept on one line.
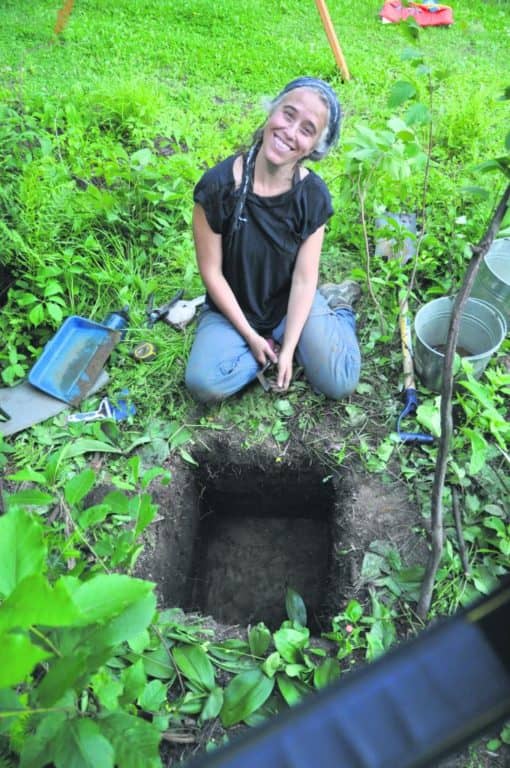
{"points": [[72, 360]]}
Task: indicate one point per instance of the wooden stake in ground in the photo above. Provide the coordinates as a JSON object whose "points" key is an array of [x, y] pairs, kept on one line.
{"points": [[332, 38], [63, 16]]}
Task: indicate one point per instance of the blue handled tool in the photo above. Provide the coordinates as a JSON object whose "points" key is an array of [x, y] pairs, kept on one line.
{"points": [[106, 410]]}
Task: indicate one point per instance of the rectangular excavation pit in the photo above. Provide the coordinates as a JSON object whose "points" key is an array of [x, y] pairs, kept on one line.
{"points": [[259, 533]]}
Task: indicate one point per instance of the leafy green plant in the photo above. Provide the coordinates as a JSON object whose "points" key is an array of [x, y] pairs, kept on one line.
{"points": [[57, 637]]}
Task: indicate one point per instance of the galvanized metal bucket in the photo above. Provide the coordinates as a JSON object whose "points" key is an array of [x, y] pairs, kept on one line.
{"points": [[492, 282], [482, 330]]}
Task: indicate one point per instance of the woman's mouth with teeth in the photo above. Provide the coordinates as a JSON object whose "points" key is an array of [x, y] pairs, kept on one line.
{"points": [[281, 144]]}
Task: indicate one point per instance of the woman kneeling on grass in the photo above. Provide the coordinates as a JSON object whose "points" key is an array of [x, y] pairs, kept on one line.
{"points": [[258, 225]]}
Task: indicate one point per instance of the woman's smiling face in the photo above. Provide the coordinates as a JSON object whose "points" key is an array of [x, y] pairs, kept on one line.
{"points": [[294, 127]]}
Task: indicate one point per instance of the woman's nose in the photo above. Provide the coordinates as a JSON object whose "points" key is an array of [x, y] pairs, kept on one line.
{"points": [[291, 129]]}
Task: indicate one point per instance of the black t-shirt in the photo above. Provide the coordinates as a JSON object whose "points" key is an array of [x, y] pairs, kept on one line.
{"points": [[259, 258]]}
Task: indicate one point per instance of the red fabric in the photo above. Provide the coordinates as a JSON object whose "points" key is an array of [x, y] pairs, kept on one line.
{"points": [[425, 17]]}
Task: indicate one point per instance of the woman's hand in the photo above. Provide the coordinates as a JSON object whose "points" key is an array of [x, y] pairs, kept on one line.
{"points": [[261, 349], [284, 376]]}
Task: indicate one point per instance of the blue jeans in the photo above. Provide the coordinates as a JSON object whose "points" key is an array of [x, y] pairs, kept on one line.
{"points": [[221, 362]]}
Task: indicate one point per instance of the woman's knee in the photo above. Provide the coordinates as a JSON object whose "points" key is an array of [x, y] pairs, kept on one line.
{"points": [[201, 387], [337, 377], [338, 390]]}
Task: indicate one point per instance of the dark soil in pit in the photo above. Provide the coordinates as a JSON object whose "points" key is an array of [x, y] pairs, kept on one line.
{"points": [[258, 534]]}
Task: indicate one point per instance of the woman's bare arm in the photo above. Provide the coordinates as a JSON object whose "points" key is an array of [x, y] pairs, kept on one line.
{"points": [[303, 287], [209, 257]]}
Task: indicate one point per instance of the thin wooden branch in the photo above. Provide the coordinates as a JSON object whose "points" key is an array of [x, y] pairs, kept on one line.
{"points": [[457, 516], [436, 551]]}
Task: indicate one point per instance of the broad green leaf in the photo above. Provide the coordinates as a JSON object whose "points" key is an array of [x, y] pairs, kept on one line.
{"points": [[158, 664], [291, 642], [179, 436], [372, 566], [107, 689], [133, 620], [36, 314], [354, 611], [145, 514], [271, 708], [479, 450], [192, 703], [140, 642], [291, 690], [78, 486], [29, 497], [213, 705], [94, 515], [295, 670], [259, 638], [9, 702], [153, 696], [418, 114], [51, 288], [118, 502], [188, 458], [107, 595], [28, 475], [70, 673], [484, 580], [54, 311], [328, 671], [141, 158], [428, 415], [22, 549], [244, 695], [400, 92], [19, 657], [35, 601], [80, 744], [154, 472], [134, 681], [86, 445], [194, 664], [381, 636], [272, 664], [295, 607], [37, 750], [493, 745], [135, 741]]}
